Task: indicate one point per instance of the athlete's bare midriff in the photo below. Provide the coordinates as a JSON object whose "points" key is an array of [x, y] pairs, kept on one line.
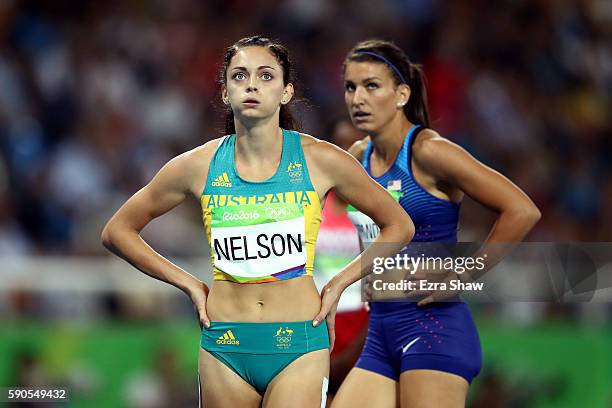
{"points": [[295, 299]]}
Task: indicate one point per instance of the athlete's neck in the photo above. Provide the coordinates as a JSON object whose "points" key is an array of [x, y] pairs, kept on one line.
{"points": [[261, 142], [389, 140]]}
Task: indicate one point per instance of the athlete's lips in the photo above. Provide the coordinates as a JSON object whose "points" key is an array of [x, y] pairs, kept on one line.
{"points": [[250, 102], [360, 115]]}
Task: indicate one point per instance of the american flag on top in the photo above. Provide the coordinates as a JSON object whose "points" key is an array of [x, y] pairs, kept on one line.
{"points": [[394, 185]]}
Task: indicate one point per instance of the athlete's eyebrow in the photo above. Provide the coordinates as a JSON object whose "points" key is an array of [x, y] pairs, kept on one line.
{"points": [[258, 68], [371, 78]]}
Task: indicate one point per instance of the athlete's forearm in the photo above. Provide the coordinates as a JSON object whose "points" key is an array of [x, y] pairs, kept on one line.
{"points": [[514, 225], [511, 227], [130, 246]]}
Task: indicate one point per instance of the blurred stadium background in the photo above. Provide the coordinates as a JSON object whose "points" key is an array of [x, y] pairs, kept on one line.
{"points": [[94, 98]]}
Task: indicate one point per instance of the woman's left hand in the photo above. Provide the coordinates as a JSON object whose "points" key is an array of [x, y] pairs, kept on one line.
{"points": [[330, 296]]}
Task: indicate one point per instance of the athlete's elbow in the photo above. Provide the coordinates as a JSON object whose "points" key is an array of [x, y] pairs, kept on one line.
{"points": [[408, 229], [411, 231], [527, 216], [106, 237], [532, 214], [109, 236]]}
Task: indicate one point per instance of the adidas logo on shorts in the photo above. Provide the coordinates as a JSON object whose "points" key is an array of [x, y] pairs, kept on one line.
{"points": [[222, 181], [228, 338]]}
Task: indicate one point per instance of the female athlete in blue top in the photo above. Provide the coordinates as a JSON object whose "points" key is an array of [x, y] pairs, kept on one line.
{"points": [[425, 354]]}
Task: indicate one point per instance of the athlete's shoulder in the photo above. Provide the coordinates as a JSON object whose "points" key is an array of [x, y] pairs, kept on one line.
{"points": [[198, 156], [329, 161], [320, 150], [308, 140], [358, 148], [191, 167], [432, 151]]}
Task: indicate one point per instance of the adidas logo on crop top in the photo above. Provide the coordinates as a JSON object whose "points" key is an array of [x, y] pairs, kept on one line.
{"points": [[261, 231]]}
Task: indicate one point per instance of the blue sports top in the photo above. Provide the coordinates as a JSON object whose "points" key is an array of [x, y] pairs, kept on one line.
{"points": [[434, 219]]}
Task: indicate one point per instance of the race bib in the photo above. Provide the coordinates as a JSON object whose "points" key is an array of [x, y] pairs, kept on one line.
{"points": [[366, 227], [258, 241]]}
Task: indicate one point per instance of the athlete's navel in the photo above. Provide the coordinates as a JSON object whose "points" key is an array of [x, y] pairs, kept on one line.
{"points": [[260, 303]]}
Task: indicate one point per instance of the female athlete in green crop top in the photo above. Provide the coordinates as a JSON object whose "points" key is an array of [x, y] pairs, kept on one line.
{"points": [[261, 188]]}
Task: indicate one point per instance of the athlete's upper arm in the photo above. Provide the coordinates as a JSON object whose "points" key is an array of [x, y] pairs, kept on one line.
{"points": [[353, 184], [358, 148], [172, 184], [449, 163]]}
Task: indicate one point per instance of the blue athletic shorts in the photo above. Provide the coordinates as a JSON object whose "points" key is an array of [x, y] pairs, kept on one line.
{"points": [[440, 336]]}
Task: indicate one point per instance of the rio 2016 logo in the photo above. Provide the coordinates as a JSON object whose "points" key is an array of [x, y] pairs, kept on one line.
{"points": [[240, 216]]}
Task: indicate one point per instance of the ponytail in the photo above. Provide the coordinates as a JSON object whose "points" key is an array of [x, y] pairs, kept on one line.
{"points": [[416, 109]]}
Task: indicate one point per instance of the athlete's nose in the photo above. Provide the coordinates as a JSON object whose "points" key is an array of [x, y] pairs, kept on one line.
{"points": [[252, 86], [359, 96]]}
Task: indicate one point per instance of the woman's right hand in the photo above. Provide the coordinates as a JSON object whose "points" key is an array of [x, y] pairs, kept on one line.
{"points": [[198, 294]]}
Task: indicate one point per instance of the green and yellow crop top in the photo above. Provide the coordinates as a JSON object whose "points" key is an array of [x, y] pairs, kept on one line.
{"points": [[261, 231]]}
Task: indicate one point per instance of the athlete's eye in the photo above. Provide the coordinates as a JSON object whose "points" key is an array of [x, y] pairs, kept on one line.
{"points": [[372, 85], [266, 76], [239, 76], [349, 87]]}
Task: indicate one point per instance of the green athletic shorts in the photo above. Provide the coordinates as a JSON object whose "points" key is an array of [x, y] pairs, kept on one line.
{"points": [[257, 352]]}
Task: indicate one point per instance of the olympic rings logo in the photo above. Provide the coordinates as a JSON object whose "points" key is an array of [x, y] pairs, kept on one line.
{"points": [[283, 339], [295, 174], [278, 213]]}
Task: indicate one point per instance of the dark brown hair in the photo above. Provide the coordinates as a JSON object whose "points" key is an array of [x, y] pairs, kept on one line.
{"points": [[402, 70]]}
